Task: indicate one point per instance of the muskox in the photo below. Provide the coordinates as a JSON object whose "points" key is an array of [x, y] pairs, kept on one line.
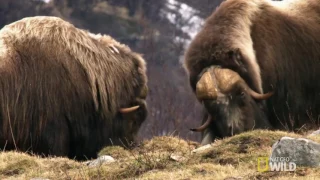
{"points": [[255, 65], [67, 92]]}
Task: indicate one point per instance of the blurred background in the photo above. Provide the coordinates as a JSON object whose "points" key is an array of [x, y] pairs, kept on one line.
{"points": [[158, 29]]}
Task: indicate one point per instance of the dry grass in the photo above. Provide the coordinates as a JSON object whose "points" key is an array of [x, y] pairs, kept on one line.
{"points": [[231, 158]]}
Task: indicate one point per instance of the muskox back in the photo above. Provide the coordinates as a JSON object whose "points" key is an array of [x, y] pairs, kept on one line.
{"points": [[61, 89]]}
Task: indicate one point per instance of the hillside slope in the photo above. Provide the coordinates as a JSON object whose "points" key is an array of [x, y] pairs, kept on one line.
{"points": [[163, 158]]}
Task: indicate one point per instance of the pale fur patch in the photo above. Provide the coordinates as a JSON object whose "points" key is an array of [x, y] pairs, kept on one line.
{"points": [[3, 52], [3, 49], [6, 53], [286, 4]]}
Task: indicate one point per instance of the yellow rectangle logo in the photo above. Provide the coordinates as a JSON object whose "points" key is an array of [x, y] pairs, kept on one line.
{"points": [[263, 164]]}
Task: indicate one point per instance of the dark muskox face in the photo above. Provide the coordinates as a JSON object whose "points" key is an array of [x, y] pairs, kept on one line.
{"points": [[232, 106], [129, 120]]}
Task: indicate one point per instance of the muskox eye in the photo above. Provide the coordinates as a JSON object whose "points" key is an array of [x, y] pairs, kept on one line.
{"points": [[242, 94]]}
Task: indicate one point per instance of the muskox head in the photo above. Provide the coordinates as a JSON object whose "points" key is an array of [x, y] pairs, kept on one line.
{"points": [[232, 105], [132, 119], [222, 82], [127, 94]]}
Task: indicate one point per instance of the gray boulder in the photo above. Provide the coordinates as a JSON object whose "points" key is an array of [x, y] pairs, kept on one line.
{"points": [[303, 152]]}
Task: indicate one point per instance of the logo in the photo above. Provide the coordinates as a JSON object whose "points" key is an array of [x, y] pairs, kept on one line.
{"points": [[275, 164]]}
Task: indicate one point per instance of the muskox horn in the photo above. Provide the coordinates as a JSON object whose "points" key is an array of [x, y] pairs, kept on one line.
{"points": [[258, 96], [204, 126], [130, 109], [205, 88]]}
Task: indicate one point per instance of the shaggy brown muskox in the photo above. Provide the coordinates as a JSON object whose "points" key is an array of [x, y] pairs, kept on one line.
{"points": [[251, 47], [67, 92]]}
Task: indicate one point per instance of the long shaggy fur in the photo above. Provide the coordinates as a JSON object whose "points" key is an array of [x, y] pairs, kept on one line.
{"points": [[65, 84], [280, 47]]}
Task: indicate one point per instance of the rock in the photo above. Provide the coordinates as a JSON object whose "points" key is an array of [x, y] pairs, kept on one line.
{"points": [[317, 132], [303, 152], [100, 160], [202, 148], [233, 178], [178, 158]]}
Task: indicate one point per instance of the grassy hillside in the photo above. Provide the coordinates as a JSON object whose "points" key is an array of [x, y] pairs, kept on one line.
{"points": [[163, 158]]}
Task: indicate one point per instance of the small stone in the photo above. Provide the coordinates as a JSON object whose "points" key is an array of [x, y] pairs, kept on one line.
{"points": [[233, 178], [202, 148], [101, 160], [178, 158]]}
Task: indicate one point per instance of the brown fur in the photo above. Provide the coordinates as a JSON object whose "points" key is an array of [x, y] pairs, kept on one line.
{"points": [[279, 47], [61, 88]]}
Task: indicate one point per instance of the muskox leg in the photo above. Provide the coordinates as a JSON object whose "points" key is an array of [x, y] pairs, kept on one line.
{"points": [[55, 139], [207, 134], [207, 137]]}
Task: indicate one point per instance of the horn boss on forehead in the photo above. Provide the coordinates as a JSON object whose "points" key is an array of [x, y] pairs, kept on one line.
{"points": [[216, 80]]}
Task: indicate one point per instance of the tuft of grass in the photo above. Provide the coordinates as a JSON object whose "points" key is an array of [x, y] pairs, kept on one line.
{"points": [[230, 158], [168, 144], [116, 152], [20, 166]]}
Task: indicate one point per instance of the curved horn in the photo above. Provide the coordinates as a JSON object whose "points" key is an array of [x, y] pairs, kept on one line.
{"points": [[204, 126], [130, 109], [260, 96], [205, 88]]}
